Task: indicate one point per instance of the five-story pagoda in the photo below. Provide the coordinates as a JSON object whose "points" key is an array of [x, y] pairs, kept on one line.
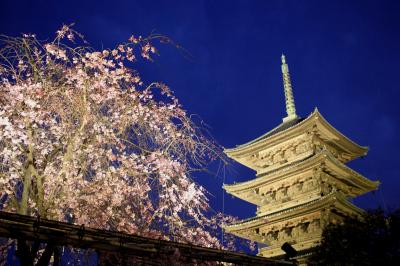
{"points": [[302, 182]]}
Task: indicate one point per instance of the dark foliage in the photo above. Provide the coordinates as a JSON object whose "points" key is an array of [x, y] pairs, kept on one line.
{"points": [[373, 239]]}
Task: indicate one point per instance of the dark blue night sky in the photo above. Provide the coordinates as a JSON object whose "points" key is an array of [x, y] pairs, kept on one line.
{"points": [[343, 58]]}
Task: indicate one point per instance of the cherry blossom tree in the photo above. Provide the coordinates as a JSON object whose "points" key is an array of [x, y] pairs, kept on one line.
{"points": [[84, 140]]}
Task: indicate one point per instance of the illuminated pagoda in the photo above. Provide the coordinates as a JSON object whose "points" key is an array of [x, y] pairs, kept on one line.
{"points": [[301, 184]]}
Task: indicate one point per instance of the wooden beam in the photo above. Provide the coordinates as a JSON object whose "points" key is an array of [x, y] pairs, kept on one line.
{"points": [[17, 226]]}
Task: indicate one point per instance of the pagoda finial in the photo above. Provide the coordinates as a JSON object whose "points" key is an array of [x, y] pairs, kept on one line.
{"points": [[290, 107]]}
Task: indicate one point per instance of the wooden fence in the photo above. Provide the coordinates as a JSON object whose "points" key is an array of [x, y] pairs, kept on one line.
{"points": [[17, 226]]}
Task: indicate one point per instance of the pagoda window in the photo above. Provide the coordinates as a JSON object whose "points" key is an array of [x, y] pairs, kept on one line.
{"points": [[291, 190], [314, 226], [273, 195], [304, 227], [308, 184], [300, 186], [289, 231], [279, 194], [273, 235], [296, 231], [284, 234], [285, 191]]}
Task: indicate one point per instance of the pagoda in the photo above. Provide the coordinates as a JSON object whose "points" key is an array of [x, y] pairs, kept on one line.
{"points": [[302, 182]]}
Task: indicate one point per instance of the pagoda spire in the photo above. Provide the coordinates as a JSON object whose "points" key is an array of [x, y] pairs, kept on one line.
{"points": [[290, 107]]}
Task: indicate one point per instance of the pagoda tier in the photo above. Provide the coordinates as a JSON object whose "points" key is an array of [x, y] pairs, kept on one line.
{"points": [[301, 181], [295, 140], [301, 225]]}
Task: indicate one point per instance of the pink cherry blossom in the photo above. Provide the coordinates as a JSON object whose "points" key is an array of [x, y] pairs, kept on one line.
{"points": [[83, 140]]}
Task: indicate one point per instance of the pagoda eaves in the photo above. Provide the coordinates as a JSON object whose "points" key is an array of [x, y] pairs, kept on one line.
{"points": [[333, 173], [314, 124]]}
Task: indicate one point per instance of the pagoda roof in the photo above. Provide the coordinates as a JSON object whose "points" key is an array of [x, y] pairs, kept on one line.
{"points": [[333, 166], [334, 199], [295, 127], [281, 127]]}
